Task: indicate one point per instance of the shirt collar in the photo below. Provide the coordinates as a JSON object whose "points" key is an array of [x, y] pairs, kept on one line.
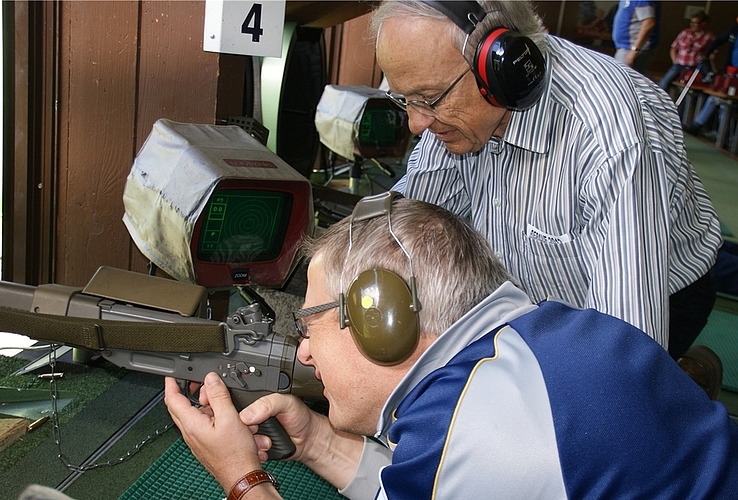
{"points": [[501, 306]]}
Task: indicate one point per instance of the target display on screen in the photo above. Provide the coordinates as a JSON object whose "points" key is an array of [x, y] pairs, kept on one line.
{"points": [[243, 226]]}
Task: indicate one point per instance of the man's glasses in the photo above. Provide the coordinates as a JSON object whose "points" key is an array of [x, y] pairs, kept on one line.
{"points": [[422, 106], [300, 324]]}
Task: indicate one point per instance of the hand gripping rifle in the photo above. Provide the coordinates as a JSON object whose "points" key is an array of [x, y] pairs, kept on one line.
{"points": [[167, 339]]}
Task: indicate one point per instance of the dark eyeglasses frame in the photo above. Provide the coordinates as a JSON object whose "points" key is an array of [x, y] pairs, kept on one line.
{"points": [[422, 106], [301, 325]]}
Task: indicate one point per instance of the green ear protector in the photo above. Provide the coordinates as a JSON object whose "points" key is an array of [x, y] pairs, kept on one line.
{"points": [[379, 308]]}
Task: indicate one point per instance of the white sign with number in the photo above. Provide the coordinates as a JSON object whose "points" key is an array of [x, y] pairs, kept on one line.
{"points": [[249, 28]]}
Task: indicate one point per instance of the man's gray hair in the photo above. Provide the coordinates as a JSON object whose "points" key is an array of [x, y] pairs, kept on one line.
{"points": [[513, 14], [454, 266]]}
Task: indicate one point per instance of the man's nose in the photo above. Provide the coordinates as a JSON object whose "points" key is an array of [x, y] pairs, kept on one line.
{"points": [[417, 122], [303, 352]]}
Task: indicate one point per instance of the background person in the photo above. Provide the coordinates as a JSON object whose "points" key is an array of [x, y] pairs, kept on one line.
{"points": [[635, 32], [492, 393], [578, 190], [688, 49], [731, 60]]}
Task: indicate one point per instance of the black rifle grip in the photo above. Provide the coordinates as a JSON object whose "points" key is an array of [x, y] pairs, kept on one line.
{"points": [[282, 445]]}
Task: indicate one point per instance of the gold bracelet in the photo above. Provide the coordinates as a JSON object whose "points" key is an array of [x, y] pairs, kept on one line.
{"points": [[250, 480]]}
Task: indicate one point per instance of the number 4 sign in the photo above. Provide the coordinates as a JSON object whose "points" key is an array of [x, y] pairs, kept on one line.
{"points": [[250, 28]]}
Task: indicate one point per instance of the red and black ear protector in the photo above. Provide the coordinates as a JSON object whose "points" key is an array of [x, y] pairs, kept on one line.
{"points": [[510, 69], [379, 308]]}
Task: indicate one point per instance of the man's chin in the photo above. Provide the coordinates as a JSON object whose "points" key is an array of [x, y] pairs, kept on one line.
{"points": [[458, 147], [344, 425]]}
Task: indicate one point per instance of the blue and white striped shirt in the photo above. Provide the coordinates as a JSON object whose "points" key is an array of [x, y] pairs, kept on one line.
{"points": [[589, 196]]}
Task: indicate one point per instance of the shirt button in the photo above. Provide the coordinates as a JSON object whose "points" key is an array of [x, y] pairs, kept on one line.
{"points": [[498, 255], [496, 202]]}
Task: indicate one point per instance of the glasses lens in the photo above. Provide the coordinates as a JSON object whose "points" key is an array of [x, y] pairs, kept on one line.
{"points": [[397, 99], [301, 327], [423, 108]]}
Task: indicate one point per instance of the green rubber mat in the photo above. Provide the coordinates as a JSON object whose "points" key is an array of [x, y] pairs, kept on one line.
{"points": [[177, 475], [721, 335], [724, 230]]}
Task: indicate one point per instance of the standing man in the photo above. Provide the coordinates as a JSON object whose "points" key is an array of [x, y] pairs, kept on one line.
{"points": [[571, 165], [635, 32]]}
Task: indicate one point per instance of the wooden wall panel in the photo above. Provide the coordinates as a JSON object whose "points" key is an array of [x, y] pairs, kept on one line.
{"points": [[96, 111], [177, 79], [357, 64], [124, 65]]}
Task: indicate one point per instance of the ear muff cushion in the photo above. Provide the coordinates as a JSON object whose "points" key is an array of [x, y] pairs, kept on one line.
{"points": [[510, 69], [381, 319]]}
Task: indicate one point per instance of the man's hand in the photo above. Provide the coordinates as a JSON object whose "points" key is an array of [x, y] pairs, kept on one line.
{"points": [[214, 432], [332, 454]]}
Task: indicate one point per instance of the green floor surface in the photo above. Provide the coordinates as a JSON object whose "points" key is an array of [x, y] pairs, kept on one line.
{"points": [[177, 475], [721, 335]]}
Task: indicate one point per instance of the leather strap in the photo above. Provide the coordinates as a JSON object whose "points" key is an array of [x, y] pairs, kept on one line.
{"points": [[250, 480]]}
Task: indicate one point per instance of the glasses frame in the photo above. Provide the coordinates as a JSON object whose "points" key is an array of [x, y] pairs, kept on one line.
{"points": [[300, 324], [422, 106]]}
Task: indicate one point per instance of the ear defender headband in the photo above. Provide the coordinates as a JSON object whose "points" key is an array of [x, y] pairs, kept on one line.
{"points": [[379, 308], [509, 68]]}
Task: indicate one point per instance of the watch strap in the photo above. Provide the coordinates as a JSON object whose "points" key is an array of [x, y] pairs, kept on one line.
{"points": [[250, 480]]}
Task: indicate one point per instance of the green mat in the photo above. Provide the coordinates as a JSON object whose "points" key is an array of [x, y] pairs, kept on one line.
{"points": [[721, 335], [177, 475], [724, 230]]}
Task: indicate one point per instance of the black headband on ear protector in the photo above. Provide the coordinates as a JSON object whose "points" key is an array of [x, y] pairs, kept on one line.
{"points": [[465, 15], [509, 68], [379, 308]]}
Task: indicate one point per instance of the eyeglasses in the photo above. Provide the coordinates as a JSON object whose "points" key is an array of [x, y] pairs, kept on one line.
{"points": [[300, 324], [422, 106]]}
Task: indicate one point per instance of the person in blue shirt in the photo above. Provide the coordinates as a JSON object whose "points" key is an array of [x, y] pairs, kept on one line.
{"points": [[445, 381], [635, 33]]}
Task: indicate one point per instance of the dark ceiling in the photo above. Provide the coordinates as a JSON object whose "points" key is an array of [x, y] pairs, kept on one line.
{"points": [[324, 14]]}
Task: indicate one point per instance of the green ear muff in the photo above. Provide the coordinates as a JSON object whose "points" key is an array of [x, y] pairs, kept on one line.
{"points": [[381, 317]]}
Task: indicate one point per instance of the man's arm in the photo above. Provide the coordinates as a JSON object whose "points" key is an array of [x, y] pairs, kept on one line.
{"points": [[647, 26], [630, 278]]}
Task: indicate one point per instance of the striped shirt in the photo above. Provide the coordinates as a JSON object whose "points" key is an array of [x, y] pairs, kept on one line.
{"points": [[589, 197]]}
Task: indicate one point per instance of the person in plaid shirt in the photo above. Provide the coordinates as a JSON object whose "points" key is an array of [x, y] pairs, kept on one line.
{"points": [[688, 48]]}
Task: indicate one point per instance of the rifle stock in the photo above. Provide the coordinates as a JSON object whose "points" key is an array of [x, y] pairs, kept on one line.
{"points": [[120, 311]]}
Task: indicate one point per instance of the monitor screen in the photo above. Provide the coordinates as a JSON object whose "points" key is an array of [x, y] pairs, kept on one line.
{"points": [[383, 130], [380, 126], [244, 225], [249, 232]]}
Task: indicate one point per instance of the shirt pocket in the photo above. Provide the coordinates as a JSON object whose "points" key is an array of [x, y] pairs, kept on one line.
{"points": [[555, 269]]}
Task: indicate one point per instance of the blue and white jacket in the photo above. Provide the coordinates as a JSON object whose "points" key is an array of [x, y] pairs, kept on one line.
{"points": [[524, 401]]}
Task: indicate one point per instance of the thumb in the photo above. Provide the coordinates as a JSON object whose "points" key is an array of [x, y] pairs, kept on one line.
{"points": [[217, 394]]}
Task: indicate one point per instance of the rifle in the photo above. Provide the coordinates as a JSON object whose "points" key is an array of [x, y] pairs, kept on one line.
{"points": [[170, 337]]}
